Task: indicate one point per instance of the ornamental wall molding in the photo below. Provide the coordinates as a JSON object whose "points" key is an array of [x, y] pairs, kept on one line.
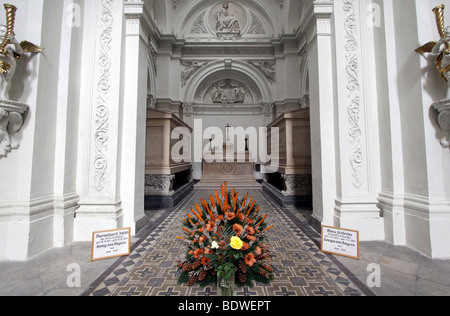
{"points": [[190, 68], [353, 88], [12, 116], [229, 21], [102, 110], [256, 27], [443, 119], [267, 68], [258, 88], [280, 3], [159, 183], [228, 93], [151, 101], [199, 26], [153, 54], [249, 50], [188, 108], [305, 101], [267, 108]]}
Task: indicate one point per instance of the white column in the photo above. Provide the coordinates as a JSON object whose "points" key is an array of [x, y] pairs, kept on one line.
{"points": [[357, 145], [391, 197], [99, 172], [134, 115], [322, 113], [66, 196]]}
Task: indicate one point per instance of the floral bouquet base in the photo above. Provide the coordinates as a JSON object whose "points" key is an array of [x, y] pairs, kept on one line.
{"points": [[226, 283], [225, 243]]}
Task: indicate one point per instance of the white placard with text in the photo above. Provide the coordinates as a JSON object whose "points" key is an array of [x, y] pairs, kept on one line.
{"points": [[110, 244], [342, 242]]}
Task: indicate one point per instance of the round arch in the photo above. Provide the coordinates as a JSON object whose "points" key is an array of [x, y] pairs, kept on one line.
{"points": [[241, 71]]}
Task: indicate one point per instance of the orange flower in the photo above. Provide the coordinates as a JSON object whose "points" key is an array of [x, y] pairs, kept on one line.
{"points": [[210, 226], [209, 251], [250, 259], [219, 218], [258, 250], [238, 229], [198, 253], [250, 230], [202, 239], [245, 247], [205, 261], [251, 238], [230, 216]]}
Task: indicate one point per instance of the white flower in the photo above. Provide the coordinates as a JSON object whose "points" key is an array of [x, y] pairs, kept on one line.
{"points": [[214, 245]]}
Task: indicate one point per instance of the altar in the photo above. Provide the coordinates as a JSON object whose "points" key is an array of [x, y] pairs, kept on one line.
{"points": [[236, 168]]}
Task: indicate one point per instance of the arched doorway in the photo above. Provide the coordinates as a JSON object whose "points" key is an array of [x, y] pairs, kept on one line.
{"points": [[229, 94]]}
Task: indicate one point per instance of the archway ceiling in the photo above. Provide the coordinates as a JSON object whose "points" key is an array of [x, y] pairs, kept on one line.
{"points": [[256, 19]]}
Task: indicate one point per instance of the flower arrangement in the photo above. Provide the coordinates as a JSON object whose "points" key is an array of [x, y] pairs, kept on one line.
{"points": [[225, 242]]}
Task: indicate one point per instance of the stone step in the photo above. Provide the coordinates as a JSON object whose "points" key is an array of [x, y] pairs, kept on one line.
{"points": [[235, 182]]}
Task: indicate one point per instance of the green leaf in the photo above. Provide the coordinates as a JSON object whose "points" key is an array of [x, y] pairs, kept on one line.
{"points": [[212, 256]]}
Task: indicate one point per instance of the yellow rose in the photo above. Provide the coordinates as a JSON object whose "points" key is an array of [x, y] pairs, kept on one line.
{"points": [[236, 243]]}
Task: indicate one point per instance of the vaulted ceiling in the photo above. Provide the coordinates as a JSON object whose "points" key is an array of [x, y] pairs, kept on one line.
{"points": [[258, 19]]}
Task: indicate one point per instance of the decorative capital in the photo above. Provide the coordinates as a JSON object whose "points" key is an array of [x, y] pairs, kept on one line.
{"points": [[267, 108], [188, 108], [304, 101], [323, 8]]}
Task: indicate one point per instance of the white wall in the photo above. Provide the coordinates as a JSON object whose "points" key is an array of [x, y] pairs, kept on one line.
{"points": [[39, 202], [414, 166]]}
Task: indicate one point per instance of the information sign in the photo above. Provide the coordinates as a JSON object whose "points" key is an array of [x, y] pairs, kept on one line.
{"points": [[342, 242], [110, 244]]}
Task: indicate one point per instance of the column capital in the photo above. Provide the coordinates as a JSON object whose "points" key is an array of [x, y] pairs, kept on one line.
{"points": [[322, 12], [137, 11], [323, 8]]}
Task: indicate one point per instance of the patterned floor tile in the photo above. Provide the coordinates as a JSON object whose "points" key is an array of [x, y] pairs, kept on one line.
{"points": [[301, 269]]}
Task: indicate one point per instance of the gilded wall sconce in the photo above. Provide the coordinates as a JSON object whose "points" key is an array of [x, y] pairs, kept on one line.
{"points": [[11, 112]]}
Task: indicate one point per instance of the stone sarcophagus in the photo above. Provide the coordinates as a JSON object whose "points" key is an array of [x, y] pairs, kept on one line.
{"points": [[168, 168], [291, 184]]}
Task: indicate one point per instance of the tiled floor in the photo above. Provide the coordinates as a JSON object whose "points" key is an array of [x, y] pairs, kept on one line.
{"points": [[300, 267]]}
